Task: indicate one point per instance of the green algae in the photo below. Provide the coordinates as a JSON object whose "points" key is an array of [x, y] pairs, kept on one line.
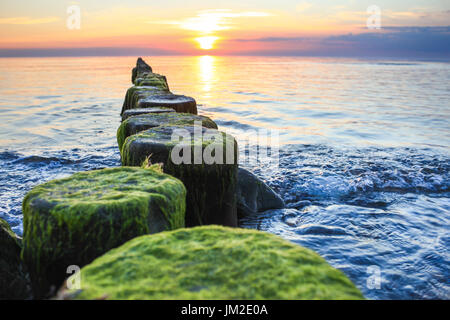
{"points": [[136, 148], [152, 80], [136, 124], [14, 278], [210, 187], [136, 112], [7, 234], [212, 263], [71, 221]]}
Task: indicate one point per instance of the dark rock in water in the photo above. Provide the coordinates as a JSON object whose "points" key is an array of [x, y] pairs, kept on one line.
{"points": [[15, 281], [143, 122], [211, 197], [178, 102], [137, 112], [141, 68], [74, 220], [253, 195]]}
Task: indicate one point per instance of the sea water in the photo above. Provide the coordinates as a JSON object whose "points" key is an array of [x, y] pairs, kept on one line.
{"points": [[364, 149]]}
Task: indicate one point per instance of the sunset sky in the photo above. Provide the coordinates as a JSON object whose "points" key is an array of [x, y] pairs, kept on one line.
{"points": [[252, 27]]}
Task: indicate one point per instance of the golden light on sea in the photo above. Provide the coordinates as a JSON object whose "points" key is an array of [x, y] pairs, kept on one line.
{"points": [[206, 67]]}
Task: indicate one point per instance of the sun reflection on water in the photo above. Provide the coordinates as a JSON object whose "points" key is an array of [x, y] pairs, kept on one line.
{"points": [[206, 66]]}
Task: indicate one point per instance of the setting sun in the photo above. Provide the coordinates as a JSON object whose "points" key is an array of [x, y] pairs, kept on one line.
{"points": [[206, 43]]}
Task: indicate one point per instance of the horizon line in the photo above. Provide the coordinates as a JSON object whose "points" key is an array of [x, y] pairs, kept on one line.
{"points": [[136, 52]]}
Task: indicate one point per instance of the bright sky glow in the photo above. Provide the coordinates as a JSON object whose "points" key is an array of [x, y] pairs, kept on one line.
{"points": [[206, 43], [231, 27]]}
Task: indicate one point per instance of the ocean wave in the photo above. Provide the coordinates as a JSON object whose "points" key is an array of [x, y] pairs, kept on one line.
{"points": [[319, 172], [234, 124], [40, 159]]}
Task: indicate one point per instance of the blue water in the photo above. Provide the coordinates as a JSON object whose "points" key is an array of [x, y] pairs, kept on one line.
{"points": [[364, 149]]}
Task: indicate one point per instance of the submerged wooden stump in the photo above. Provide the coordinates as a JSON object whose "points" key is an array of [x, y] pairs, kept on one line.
{"points": [[72, 221]]}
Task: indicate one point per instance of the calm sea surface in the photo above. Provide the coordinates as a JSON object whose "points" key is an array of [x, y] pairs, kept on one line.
{"points": [[364, 162]]}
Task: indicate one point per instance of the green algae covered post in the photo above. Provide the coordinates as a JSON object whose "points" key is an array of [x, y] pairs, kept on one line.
{"points": [[14, 278], [72, 221], [205, 160], [212, 262], [142, 122], [136, 112]]}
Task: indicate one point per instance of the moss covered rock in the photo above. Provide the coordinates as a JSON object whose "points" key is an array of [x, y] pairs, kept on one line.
{"points": [[143, 122], [204, 159], [71, 221], [14, 279], [137, 112], [212, 263]]}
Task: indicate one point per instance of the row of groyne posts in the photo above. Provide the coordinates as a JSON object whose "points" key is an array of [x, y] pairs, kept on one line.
{"points": [[178, 171]]}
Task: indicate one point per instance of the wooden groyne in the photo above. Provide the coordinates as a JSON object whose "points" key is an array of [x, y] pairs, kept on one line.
{"points": [[127, 227], [211, 187]]}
